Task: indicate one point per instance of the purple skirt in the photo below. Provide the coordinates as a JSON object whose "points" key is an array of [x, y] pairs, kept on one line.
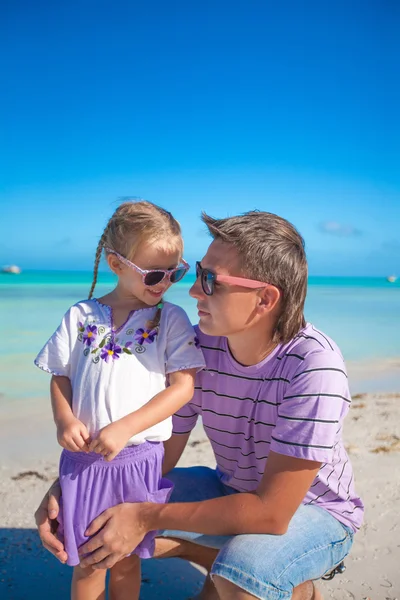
{"points": [[90, 485]]}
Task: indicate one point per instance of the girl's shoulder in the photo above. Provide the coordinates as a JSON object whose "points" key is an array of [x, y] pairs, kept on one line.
{"points": [[81, 311], [173, 312]]}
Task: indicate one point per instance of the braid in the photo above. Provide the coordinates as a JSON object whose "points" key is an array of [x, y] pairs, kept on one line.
{"points": [[154, 323], [99, 250]]}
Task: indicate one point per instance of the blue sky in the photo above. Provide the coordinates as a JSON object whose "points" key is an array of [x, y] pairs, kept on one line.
{"points": [[219, 106]]}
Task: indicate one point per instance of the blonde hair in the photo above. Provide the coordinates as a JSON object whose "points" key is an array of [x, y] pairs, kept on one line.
{"points": [[133, 223]]}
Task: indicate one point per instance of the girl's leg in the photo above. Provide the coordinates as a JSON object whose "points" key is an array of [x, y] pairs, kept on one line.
{"points": [[88, 584], [125, 579]]}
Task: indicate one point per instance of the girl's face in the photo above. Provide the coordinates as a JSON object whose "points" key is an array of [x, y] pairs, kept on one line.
{"points": [[156, 255]]}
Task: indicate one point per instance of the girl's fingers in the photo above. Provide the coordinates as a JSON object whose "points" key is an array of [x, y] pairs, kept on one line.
{"points": [[85, 435], [79, 441], [110, 456], [70, 445], [92, 446]]}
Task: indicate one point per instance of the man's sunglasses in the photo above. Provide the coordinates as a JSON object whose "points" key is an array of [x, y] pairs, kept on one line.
{"points": [[208, 279], [152, 277]]}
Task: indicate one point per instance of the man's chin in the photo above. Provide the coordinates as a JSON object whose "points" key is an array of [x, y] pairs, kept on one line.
{"points": [[207, 326]]}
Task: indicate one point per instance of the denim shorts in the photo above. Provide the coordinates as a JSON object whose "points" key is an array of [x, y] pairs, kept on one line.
{"points": [[266, 566]]}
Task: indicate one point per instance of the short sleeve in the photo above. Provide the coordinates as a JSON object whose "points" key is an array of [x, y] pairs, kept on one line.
{"points": [[55, 356], [185, 419], [312, 410], [182, 346]]}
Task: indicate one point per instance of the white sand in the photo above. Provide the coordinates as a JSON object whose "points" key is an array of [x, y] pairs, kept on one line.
{"points": [[373, 570]]}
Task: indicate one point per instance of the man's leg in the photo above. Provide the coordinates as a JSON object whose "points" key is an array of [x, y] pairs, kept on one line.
{"points": [[205, 557], [194, 484], [174, 548], [228, 591], [201, 555], [270, 567]]}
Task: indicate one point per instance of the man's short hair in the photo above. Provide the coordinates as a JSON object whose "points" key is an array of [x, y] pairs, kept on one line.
{"points": [[270, 249]]}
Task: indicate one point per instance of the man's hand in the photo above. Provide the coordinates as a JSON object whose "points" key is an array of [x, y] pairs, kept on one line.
{"points": [[45, 521], [72, 434], [111, 439], [118, 531]]}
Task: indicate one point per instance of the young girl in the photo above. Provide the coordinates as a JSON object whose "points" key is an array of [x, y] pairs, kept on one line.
{"points": [[110, 360]]}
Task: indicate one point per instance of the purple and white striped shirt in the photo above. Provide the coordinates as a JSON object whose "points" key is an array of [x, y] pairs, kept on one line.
{"points": [[293, 403]]}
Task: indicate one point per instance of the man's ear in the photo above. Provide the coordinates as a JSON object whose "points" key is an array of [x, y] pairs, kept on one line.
{"points": [[114, 264], [269, 298]]}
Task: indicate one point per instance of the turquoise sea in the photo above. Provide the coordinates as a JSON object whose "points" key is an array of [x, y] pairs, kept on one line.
{"points": [[361, 314]]}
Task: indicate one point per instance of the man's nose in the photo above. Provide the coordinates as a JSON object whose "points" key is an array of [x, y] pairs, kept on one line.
{"points": [[196, 290]]}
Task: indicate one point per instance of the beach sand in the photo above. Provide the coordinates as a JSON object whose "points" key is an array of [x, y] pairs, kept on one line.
{"points": [[29, 462]]}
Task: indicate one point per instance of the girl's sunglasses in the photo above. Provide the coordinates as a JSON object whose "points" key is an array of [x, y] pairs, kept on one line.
{"points": [[152, 277], [208, 279]]}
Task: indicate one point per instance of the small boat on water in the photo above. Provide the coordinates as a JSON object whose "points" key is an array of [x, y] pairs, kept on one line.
{"points": [[391, 278], [11, 269]]}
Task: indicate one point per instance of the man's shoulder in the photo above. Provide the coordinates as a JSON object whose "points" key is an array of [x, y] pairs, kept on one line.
{"points": [[210, 342], [311, 347]]}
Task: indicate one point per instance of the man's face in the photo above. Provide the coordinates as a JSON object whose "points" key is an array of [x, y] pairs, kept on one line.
{"points": [[231, 309]]}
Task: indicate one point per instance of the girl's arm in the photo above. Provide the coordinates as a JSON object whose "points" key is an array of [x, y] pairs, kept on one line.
{"points": [[71, 433], [114, 437]]}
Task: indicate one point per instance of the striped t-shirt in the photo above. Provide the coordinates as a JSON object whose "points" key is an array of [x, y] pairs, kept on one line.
{"points": [[293, 403]]}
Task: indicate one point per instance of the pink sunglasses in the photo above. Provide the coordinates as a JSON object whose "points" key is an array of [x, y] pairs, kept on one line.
{"points": [[208, 279], [152, 277]]}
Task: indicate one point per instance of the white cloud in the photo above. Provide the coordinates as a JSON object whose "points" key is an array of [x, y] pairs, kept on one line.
{"points": [[339, 229]]}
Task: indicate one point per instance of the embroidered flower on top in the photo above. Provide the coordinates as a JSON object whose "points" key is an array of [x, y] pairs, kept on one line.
{"points": [[145, 336], [110, 350], [89, 336]]}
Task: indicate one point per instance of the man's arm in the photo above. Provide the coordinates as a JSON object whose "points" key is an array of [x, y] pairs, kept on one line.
{"points": [[284, 484], [173, 450]]}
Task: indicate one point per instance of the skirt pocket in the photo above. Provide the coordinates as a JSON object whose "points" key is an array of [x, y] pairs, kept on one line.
{"points": [[163, 494]]}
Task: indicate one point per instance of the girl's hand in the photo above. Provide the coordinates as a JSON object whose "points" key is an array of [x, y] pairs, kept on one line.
{"points": [[111, 440], [73, 435]]}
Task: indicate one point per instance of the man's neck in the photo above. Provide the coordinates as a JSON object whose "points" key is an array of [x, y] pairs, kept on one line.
{"points": [[251, 346]]}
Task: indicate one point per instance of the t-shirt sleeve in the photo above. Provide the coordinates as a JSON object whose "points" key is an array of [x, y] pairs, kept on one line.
{"points": [[312, 410], [182, 346], [185, 419], [55, 355]]}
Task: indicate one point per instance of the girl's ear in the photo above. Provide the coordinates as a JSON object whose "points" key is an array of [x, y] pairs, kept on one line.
{"points": [[269, 298], [114, 264]]}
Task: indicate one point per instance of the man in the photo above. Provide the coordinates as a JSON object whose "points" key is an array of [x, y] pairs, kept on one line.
{"points": [[280, 509]]}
